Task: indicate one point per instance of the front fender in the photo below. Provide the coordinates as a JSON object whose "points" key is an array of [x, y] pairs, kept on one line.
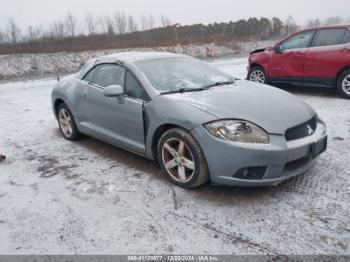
{"points": [[261, 59], [165, 111], [68, 90]]}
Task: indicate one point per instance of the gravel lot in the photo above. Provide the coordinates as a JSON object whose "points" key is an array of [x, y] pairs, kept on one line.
{"points": [[59, 197]]}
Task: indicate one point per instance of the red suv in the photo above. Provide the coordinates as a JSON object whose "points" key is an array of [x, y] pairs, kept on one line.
{"points": [[315, 57]]}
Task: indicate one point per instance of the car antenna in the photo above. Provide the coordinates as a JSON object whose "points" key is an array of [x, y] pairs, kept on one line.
{"points": [[58, 77], [56, 71]]}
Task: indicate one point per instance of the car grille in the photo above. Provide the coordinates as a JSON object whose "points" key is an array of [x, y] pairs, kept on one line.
{"points": [[303, 130]]}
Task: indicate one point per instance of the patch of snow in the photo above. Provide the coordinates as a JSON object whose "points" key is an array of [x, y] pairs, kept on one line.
{"points": [[38, 65], [87, 197]]}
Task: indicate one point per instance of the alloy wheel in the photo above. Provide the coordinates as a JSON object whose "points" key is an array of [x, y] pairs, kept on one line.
{"points": [[346, 84], [257, 76], [65, 122], [178, 160]]}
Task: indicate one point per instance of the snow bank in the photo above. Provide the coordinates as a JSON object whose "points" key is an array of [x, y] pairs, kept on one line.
{"points": [[37, 65]]}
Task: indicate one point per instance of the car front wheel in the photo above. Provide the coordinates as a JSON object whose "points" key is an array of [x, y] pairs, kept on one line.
{"points": [[257, 74], [181, 159], [343, 85]]}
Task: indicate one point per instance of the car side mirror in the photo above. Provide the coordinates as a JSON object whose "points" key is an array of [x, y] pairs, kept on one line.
{"points": [[113, 91], [277, 49]]}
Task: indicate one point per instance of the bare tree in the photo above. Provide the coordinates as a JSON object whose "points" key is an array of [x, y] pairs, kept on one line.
{"points": [[57, 30], [147, 22], [151, 21], [120, 22], [313, 23], [333, 21], [13, 30], [71, 24], [164, 21], [132, 24], [33, 33], [2, 36], [101, 24], [290, 26], [91, 24], [107, 25], [143, 22]]}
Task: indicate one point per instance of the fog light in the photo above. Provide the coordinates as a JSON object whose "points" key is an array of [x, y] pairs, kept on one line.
{"points": [[251, 173]]}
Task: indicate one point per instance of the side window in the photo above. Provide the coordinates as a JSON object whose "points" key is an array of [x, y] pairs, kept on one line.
{"points": [[346, 39], [133, 88], [108, 74], [297, 41], [329, 37], [88, 77]]}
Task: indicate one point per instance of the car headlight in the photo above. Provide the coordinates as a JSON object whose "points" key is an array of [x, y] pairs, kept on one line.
{"points": [[238, 131]]}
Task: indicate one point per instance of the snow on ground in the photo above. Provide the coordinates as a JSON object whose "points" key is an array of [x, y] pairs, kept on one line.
{"points": [[87, 197]]}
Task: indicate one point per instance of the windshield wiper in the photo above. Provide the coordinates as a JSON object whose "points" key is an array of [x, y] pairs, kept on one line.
{"points": [[219, 84], [184, 90]]}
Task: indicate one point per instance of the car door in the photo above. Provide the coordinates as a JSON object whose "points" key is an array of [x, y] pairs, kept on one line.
{"points": [[287, 60], [327, 55], [117, 120], [131, 114]]}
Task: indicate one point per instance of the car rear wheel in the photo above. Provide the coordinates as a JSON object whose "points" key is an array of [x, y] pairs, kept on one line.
{"points": [[67, 124], [181, 159], [343, 84], [257, 74]]}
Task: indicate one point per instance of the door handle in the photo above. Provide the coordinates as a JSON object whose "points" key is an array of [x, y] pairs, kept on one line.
{"points": [[298, 53], [344, 50]]}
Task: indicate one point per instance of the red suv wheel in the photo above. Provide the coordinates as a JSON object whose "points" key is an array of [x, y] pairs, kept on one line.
{"points": [[257, 74]]}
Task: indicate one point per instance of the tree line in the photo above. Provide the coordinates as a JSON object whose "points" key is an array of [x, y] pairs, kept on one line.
{"points": [[121, 30], [118, 23]]}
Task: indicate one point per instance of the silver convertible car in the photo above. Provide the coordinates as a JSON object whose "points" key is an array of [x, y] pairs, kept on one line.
{"points": [[199, 123]]}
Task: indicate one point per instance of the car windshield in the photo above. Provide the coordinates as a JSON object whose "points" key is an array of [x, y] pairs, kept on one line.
{"points": [[182, 74]]}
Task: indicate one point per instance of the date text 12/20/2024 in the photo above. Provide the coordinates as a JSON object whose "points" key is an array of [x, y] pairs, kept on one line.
{"points": [[173, 258]]}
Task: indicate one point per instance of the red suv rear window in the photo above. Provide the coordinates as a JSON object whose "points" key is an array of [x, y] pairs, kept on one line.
{"points": [[347, 37], [329, 37]]}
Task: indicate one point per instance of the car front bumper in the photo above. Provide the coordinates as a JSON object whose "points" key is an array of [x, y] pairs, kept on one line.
{"points": [[270, 163]]}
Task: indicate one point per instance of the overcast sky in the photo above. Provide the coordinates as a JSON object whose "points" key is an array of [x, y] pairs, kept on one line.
{"points": [[35, 12]]}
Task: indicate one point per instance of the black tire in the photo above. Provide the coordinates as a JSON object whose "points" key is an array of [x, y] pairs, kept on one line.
{"points": [[200, 174], [257, 70], [74, 134], [340, 88]]}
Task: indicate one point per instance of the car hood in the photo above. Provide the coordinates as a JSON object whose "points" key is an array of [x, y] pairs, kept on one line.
{"points": [[270, 108]]}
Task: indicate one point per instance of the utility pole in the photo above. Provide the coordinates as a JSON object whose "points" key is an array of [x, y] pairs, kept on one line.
{"points": [[176, 25]]}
